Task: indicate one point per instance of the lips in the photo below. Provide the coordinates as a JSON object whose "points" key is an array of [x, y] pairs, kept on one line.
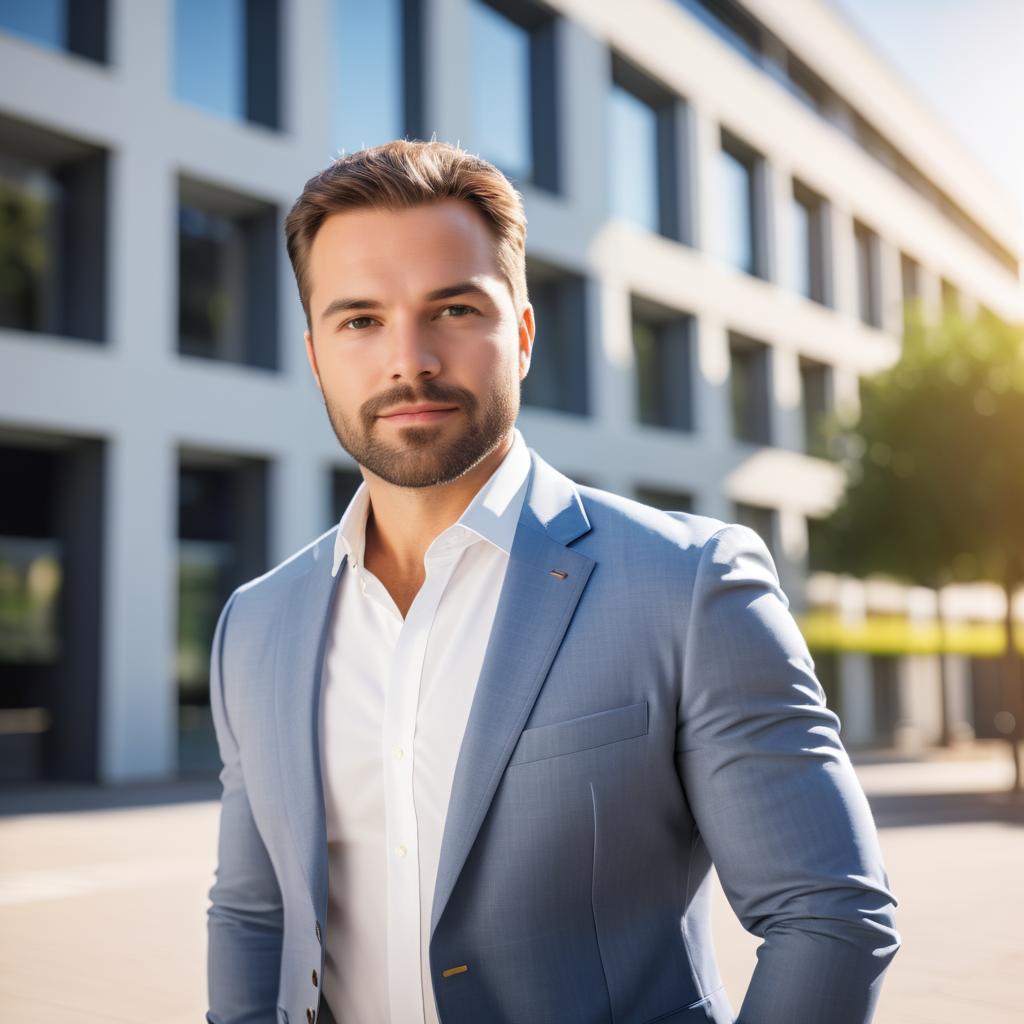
{"points": [[427, 416]]}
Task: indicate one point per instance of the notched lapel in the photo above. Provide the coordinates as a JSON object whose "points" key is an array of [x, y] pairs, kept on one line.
{"points": [[298, 662], [532, 616]]}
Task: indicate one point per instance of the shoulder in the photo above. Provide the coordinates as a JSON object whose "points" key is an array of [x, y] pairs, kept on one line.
{"points": [[616, 518], [630, 536], [254, 602]]}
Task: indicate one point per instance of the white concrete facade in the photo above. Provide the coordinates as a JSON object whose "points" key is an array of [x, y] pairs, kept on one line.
{"points": [[147, 402]]}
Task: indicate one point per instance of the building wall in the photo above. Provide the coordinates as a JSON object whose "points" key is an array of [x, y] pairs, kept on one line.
{"points": [[151, 406]]}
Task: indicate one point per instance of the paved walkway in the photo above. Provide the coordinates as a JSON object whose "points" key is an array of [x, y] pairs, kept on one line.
{"points": [[953, 842], [103, 898]]}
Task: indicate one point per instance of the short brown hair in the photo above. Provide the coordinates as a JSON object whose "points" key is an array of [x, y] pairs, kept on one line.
{"points": [[404, 173]]}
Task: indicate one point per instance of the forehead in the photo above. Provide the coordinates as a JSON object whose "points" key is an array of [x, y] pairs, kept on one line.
{"points": [[416, 248]]}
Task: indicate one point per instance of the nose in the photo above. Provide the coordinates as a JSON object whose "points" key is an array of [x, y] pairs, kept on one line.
{"points": [[411, 356]]}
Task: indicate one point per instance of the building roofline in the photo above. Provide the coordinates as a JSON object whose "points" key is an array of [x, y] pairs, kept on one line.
{"points": [[892, 105]]}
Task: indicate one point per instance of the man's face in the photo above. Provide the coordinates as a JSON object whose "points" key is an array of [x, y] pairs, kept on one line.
{"points": [[382, 338]]}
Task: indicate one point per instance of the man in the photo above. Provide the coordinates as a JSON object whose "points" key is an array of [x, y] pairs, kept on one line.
{"points": [[483, 739]]}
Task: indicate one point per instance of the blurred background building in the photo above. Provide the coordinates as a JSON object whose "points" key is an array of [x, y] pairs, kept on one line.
{"points": [[728, 206]]}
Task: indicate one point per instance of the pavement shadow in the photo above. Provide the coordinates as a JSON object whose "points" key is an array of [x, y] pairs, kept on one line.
{"points": [[64, 797], [912, 810]]}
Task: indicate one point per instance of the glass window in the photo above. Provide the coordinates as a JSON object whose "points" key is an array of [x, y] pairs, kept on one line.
{"points": [[808, 268], [42, 21], [633, 139], [749, 386], [558, 367], [910, 282], [211, 274], [664, 387], [226, 58], [29, 200], [760, 519], [502, 96], [367, 69], [868, 280], [910, 278], [816, 388], [221, 543], [227, 273], [800, 271], [51, 520], [739, 242], [817, 553], [731, 24], [52, 233], [31, 567], [344, 484], [209, 55], [666, 499], [79, 27]]}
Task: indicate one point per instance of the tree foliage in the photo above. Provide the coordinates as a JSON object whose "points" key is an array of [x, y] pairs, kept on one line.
{"points": [[935, 463]]}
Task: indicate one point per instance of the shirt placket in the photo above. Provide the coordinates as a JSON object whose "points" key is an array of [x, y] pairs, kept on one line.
{"points": [[405, 982]]}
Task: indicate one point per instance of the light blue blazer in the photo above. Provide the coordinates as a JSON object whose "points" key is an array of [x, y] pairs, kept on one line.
{"points": [[646, 707]]}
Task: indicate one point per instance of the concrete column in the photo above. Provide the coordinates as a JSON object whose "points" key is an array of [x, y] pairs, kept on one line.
{"points": [[138, 724], [711, 382], [780, 223], [844, 261], [856, 699], [584, 65], [448, 107], [920, 710], [299, 499], [612, 361], [787, 400], [931, 292], [959, 707], [792, 561], [706, 135], [711, 401], [138, 707], [846, 393], [891, 288]]}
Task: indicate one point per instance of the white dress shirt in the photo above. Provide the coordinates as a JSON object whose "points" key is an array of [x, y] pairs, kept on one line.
{"points": [[395, 698]]}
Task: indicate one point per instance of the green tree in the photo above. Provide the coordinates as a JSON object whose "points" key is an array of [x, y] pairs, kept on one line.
{"points": [[935, 474]]}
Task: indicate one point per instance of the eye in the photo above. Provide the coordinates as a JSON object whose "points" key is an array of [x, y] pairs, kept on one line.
{"points": [[470, 308], [355, 319]]}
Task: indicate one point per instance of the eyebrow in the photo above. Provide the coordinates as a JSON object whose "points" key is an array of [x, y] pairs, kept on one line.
{"points": [[448, 292]]}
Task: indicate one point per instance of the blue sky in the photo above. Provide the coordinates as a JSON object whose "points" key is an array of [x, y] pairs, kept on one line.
{"points": [[965, 58]]}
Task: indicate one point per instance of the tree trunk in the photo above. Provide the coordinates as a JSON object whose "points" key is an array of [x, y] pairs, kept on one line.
{"points": [[946, 736], [1011, 686]]}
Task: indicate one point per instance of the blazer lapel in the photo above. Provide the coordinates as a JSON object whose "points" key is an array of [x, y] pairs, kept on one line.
{"points": [[301, 640], [533, 614]]}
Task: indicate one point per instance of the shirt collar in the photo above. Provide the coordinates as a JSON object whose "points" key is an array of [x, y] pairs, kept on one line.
{"points": [[492, 515]]}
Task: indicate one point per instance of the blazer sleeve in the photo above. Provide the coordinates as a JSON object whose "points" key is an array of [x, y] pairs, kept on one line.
{"points": [[776, 799], [245, 919]]}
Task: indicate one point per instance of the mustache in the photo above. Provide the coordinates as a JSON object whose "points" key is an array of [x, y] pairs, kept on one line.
{"points": [[431, 392]]}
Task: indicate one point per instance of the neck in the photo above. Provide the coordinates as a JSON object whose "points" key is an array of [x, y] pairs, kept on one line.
{"points": [[403, 521]]}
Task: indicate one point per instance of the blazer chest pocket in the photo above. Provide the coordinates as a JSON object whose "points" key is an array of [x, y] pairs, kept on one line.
{"points": [[582, 733]]}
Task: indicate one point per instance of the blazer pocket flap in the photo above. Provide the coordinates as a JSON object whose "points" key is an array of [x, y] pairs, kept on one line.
{"points": [[581, 733]]}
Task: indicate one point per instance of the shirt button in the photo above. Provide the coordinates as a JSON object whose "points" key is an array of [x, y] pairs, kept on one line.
{"points": [[398, 753], [400, 851]]}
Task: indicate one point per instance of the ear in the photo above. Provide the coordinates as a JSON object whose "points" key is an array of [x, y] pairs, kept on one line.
{"points": [[311, 357], [527, 333]]}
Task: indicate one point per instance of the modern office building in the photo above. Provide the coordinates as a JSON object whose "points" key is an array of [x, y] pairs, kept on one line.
{"points": [[727, 207]]}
